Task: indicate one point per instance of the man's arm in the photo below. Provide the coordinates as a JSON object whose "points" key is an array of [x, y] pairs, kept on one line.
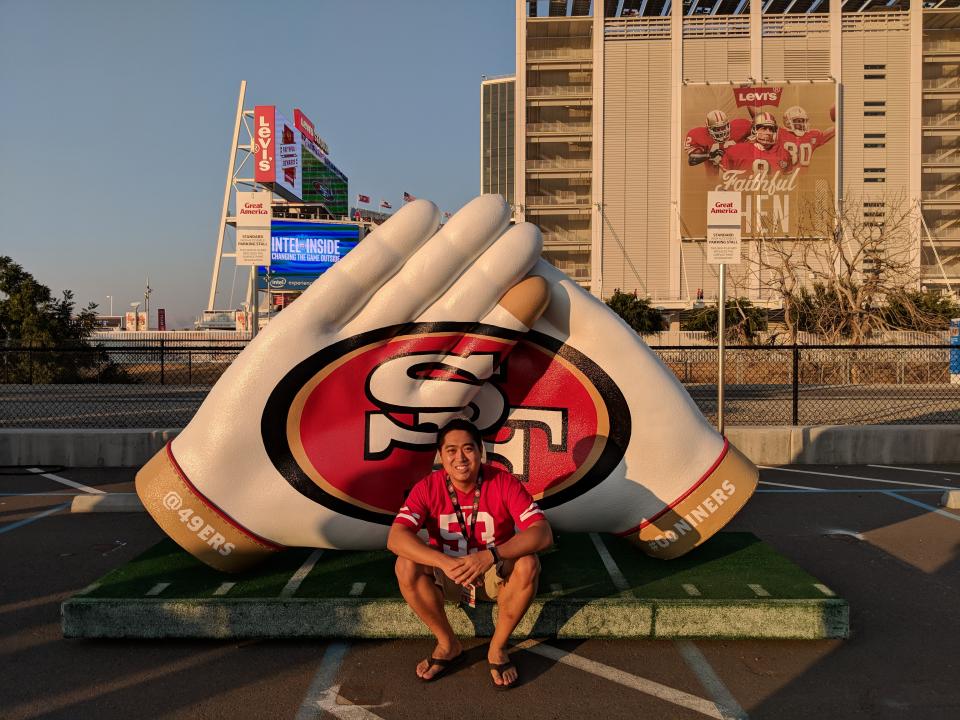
{"points": [[404, 542], [534, 539]]}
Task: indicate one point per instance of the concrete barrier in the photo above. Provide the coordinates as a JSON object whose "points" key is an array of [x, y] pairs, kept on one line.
{"points": [[764, 445], [82, 448]]}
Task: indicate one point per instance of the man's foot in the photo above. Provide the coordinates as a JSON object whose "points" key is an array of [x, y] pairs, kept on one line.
{"points": [[442, 659], [502, 671]]}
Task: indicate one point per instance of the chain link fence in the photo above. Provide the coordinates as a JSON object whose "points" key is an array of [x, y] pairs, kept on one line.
{"points": [[161, 385]]}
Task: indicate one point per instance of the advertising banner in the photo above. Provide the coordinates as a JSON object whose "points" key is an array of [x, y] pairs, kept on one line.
{"points": [[130, 321], [773, 144], [309, 130], [161, 319], [301, 251], [277, 152], [254, 209], [723, 227]]}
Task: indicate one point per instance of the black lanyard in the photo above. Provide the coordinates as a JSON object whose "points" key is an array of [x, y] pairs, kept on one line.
{"points": [[456, 508]]}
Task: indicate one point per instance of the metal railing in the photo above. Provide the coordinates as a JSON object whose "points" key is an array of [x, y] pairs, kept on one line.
{"points": [[162, 387], [560, 91], [559, 128], [941, 83], [560, 164], [551, 200], [577, 54]]}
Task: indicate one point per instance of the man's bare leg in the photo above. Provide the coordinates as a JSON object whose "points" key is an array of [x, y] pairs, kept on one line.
{"points": [[426, 600], [513, 600]]}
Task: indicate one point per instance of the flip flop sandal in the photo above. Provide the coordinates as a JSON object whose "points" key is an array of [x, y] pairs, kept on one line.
{"points": [[445, 666], [501, 668]]}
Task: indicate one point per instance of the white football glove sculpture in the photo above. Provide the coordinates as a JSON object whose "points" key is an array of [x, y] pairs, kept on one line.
{"points": [[316, 431]]}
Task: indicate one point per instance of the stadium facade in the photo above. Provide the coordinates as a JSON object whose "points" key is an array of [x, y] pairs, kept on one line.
{"points": [[602, 89], [497, 151]]}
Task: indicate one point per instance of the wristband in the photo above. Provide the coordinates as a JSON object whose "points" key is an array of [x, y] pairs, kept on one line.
{"points": [[497, 560]]}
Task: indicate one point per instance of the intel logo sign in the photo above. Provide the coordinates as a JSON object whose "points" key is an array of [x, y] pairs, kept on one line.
{"points": [[278, 282]]}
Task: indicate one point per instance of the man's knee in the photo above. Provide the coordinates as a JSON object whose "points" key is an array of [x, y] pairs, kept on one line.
{"points": [[407, 571], [526, 570]]}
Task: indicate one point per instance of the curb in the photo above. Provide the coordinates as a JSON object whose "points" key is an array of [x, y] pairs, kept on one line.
{"points": [[764, 445], [111, 502], [565, 618], [950, 499]]}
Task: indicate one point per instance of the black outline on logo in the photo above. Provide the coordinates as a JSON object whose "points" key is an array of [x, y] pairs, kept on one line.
{"points": [[273, 422]]}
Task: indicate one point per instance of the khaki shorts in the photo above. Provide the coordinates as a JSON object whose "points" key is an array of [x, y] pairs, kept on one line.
{"points": [[486, 590]]}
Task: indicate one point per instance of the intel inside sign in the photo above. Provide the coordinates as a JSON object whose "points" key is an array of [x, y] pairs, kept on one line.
{"points": [[301, 251]]}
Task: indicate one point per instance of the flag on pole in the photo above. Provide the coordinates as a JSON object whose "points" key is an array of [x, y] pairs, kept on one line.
{"points": [[384, 204], [363, 199], [407, 197]]}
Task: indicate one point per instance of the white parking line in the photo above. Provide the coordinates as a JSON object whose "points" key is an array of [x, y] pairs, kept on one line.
{"points": [[858, 477], [728, 707], [65, 481], [931, 508], [33, 518], [824, 589], [88, 589], [619, 581], [300, 575], [157, 589], [758, 590], [322, 694], [725, 704], [691, 590], [224, 588], [910, 469], [795, 487], [357, 589], [647, 687]]}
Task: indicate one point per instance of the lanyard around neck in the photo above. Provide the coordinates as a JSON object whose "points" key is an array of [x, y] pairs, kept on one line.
{"points": [[467, 534]]}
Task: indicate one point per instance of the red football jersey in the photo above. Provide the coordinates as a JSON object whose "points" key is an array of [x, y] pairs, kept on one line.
{"points": [[504, 504], [752, 157], [699, 141], [801, 147]]}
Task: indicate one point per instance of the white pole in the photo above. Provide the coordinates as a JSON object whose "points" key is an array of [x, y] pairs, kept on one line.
{"points": [[226, 197], [255, 302], [721, 334]]}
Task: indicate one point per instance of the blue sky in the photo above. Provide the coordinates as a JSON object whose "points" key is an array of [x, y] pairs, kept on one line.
{"points": [[116, 116]]}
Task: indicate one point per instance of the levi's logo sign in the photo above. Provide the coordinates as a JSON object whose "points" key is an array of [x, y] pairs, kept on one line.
{"points": [[353, 427], [757, 96]]}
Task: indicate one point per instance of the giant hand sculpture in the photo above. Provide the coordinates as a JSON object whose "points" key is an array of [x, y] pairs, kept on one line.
{"points": [[318, 428]]}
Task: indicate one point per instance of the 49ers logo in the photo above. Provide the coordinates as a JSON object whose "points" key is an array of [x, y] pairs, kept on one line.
{"points": [[353, 426]]}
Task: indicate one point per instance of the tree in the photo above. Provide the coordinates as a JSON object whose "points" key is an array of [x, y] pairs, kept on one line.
{"points": [[743, 321], [843, 267], [636, 312], [30, 317]]}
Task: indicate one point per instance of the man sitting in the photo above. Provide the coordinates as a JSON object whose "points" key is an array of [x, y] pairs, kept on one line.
{"points": [[469, 511]]}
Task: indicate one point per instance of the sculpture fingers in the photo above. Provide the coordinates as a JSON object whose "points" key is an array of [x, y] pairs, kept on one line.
{"points": [[436, 265]]}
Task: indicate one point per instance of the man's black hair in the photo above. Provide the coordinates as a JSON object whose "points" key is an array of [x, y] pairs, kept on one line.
{"points": [[459, 424]]}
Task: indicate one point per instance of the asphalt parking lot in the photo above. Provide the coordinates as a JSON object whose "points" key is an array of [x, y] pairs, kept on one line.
{"points": [[875, 535]]}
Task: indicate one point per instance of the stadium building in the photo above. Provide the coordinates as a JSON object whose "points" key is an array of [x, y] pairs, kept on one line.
{"points": [[610, 98]]}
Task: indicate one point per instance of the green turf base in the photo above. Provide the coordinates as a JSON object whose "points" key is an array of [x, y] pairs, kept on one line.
{"points": [[715, 591]]}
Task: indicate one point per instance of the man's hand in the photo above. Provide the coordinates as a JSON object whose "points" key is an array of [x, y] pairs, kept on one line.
{"points": [[469, 568]]}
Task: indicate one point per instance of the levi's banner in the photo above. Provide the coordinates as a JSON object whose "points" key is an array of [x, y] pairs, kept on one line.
{"points": [[773, 144], [277, 147]]}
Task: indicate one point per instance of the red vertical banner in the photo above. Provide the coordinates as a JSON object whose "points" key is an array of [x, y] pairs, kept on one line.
{"points": [[265, 135], [161, 319]]}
